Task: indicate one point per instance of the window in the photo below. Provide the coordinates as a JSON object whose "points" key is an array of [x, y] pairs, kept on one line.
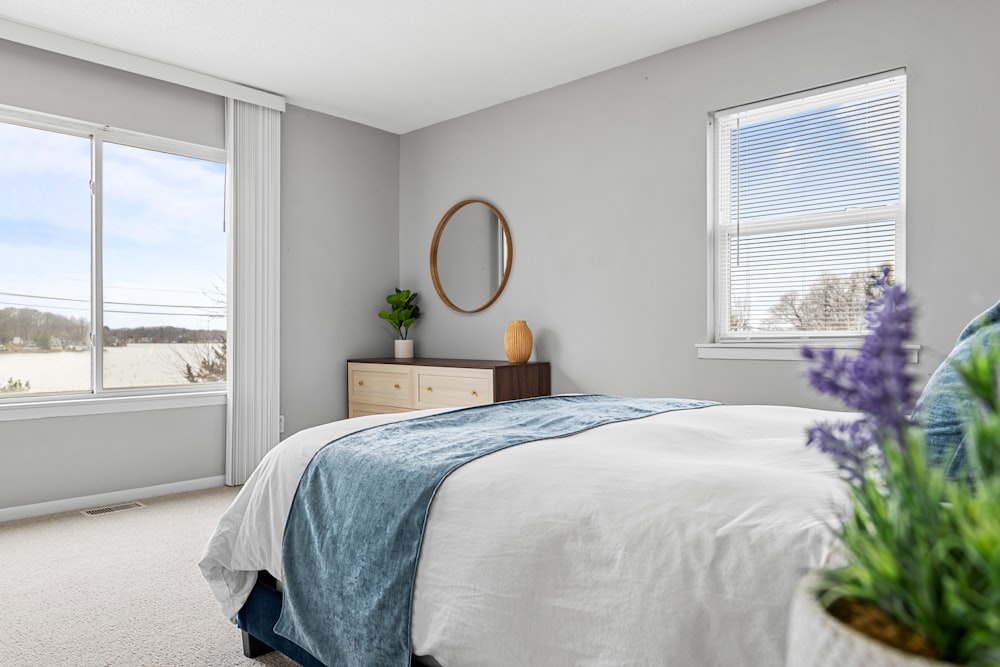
{"points": [[809, 194], [114, 273]]}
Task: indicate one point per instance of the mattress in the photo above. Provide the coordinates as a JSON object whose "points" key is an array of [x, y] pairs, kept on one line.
{"points": [[676, 539]]}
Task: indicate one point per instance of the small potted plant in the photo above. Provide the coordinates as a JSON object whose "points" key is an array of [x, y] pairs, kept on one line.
{"points": [[921, 580], [401, 316]]}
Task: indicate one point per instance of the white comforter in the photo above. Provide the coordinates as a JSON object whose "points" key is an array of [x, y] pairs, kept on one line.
{"points": [[671, 540]]}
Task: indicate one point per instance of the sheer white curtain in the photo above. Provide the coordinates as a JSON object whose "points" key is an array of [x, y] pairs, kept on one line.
{"points": [[254, 141]]}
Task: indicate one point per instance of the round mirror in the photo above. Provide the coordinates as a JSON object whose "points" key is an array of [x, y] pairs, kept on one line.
{"points": [[471, 256]]}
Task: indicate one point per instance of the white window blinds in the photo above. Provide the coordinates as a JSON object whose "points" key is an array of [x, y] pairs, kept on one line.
{"points": [[810, 194]]}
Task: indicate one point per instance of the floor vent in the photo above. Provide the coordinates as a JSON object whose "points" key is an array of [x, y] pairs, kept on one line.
{"points": [[98, 511]]}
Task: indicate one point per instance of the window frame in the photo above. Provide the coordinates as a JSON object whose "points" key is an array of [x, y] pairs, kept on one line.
{"points": [[97, 399], [786, 346]]}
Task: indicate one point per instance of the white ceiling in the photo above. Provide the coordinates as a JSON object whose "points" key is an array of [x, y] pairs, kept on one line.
{"points": [[398, 65]]}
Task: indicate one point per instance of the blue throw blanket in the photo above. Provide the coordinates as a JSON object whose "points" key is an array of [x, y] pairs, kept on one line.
{"points": [[354, 530]]}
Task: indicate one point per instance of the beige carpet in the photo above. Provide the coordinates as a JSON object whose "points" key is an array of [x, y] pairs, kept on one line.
{"points": [[117, 589]]}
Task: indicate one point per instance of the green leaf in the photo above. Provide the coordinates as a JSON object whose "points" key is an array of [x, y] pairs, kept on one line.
{"points": [[404, 311]]}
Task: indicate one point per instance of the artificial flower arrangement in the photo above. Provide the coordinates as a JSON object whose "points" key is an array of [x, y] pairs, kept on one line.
{"points": [[922, 546]]}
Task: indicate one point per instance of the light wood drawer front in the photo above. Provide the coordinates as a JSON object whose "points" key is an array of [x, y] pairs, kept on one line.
{"points": [[381, 387], [362, 409], [453, 387]]}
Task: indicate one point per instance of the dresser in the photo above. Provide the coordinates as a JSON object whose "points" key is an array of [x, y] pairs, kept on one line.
{"points": [[376, 386]]}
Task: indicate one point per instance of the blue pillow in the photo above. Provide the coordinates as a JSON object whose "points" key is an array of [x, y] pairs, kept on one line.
{"points": [[945, 399]]}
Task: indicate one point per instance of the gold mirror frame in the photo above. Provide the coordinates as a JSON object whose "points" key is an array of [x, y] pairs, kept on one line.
{"points": [[434, 254]]}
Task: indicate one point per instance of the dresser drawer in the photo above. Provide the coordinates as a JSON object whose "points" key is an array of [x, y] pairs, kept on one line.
{"points": [[437, 387], [380, 385], [376, 386], [365, 409]]}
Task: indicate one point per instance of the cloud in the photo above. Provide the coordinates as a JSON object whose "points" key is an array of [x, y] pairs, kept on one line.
{"points": [[156, 198], [163, 227]]}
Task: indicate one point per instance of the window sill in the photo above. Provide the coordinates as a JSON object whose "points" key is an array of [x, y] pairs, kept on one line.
{"points": [[783, 351], [77, 407]]}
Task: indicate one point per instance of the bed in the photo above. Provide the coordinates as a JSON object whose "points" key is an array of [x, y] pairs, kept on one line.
{"points": [[672, 539]]}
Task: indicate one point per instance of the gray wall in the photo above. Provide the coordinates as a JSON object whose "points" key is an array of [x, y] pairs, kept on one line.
{"points": [[340, 257], [70, 457], [48, 82], [603, 183]]}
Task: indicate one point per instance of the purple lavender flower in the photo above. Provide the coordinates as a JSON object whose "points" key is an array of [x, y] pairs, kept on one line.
{"points": [[852, 445], [875, 382]]}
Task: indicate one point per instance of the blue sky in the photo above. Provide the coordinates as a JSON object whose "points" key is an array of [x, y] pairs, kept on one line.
{"points": [[164, 244], [826, 159]]}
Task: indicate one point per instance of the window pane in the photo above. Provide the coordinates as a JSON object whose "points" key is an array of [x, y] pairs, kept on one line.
{"points": [[808, 281], [830, 159], [45, 272], [164, 253], [810, 196]]}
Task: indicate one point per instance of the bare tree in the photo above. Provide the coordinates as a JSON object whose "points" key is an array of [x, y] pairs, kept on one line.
{"points": [[212, 362], [211, 365], [834, 303], [739, 315]]}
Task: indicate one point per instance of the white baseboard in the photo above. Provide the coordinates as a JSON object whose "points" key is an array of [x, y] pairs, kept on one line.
{"points": [[112, 498]]}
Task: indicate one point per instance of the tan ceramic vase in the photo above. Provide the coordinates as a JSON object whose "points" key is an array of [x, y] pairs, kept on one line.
{"points": [[517, 342]]}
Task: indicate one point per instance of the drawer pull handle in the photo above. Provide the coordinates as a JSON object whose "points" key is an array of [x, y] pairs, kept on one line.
{"points": [[475, 393], [396, 386], [430, 389], [361, 383]]}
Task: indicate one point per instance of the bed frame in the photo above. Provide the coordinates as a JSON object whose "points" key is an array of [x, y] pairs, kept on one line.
{"points": [[256, 622]]}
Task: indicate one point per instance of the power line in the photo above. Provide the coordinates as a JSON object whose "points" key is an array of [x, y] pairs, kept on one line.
{"points": [[154, 289], [161, 305], [122, 312], [147, 312], [113, 303], [39, 296], [23, 305]]}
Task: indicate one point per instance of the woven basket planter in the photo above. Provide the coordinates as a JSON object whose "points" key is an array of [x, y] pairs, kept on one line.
{"points": [[817, 639]]}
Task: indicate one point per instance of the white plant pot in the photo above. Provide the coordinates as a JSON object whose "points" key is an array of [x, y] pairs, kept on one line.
{"points": [[404, 349], [817, 639]]}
